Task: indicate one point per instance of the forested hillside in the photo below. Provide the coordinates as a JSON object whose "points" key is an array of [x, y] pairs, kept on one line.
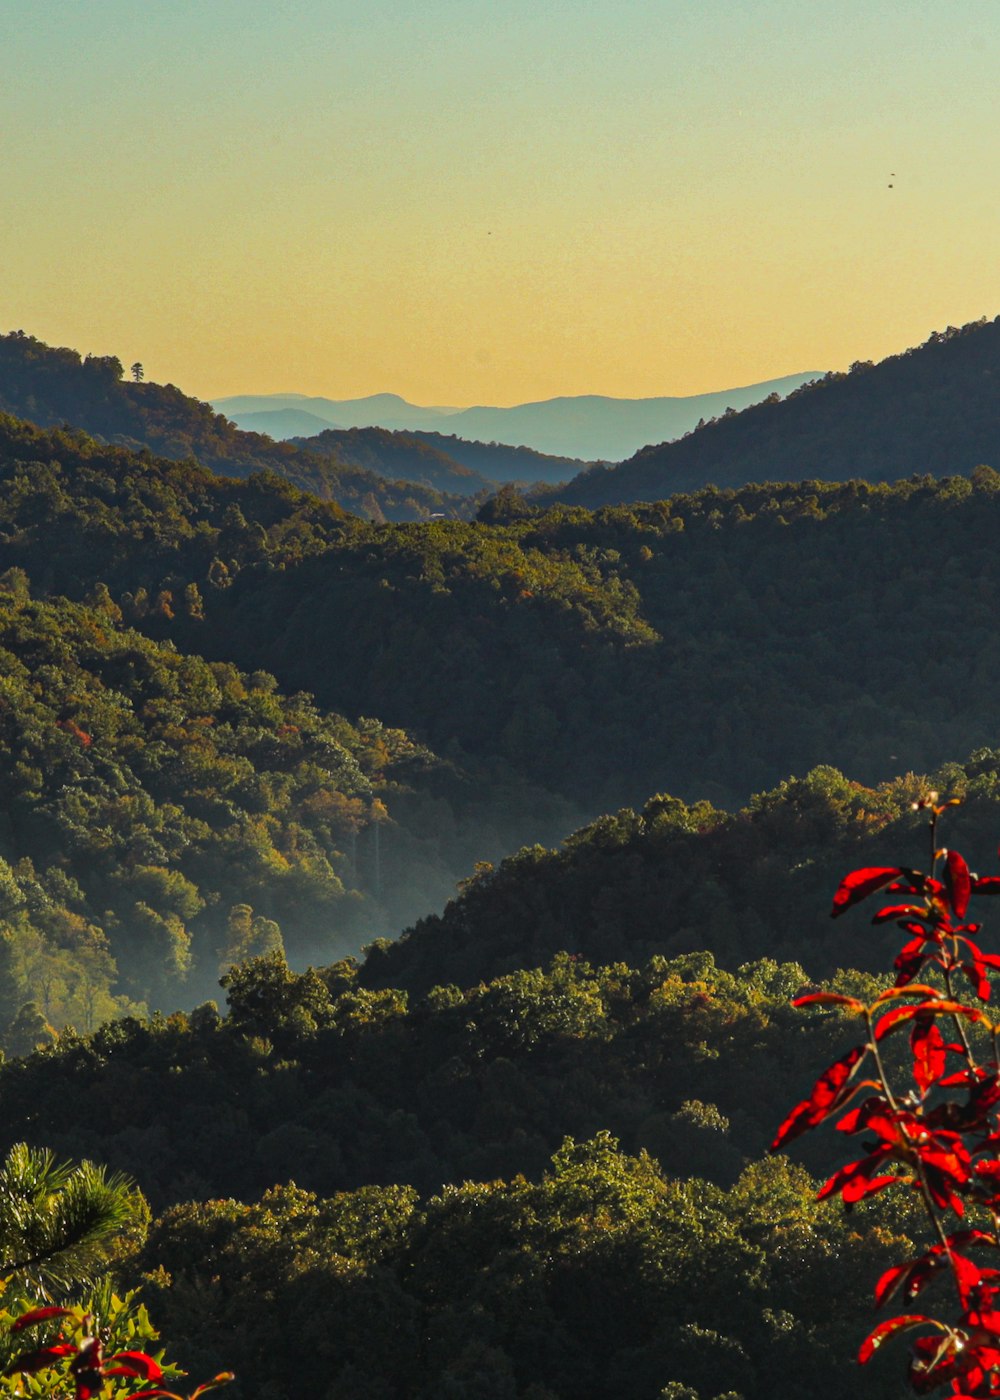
{"points": [[500, 462], [526, 1138], [706, 646], [54, 387], [447, 463], [163, 816], [932, 409], [398, 454], [655, 1244], [559, 993]]}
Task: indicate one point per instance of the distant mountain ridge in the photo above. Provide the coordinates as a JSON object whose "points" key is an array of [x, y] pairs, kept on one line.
{"points": [[587, 426], [932, 409]]}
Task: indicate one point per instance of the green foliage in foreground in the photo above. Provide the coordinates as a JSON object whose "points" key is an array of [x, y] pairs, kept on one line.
{"points": [[600, 1280]]}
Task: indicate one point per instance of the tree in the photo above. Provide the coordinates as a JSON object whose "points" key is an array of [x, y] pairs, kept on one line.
{"points": [[62, 1223], [937, 1135], [137, 372]]}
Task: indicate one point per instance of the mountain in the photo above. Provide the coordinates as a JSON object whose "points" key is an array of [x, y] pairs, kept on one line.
{"points": [[449, 1163], [705, 646], [596, 427], [372, 411], [51, 387], [404, 456], [284, 423], [589, 427], [637, 885], [502, 463], [446, 462], [932, 409], [148, 794]]}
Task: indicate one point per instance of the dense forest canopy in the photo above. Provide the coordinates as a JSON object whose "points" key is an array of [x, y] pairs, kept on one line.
{"points": [[600, 1279], [715, 1265], [934, 409], [707, 645], [163, 815], [501, 462]]}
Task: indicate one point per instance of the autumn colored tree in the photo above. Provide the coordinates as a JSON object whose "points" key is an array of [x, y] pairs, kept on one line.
{"points": [[936, 1133]]}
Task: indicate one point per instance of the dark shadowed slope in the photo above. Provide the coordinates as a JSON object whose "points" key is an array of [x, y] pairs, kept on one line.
{"points": [[933, 409]]}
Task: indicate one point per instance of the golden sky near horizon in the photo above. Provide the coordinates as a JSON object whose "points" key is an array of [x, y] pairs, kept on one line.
{"points": [[463, 202]]}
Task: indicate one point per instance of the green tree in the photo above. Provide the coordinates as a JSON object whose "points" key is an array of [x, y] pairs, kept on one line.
{"points": [[62, 1224]]}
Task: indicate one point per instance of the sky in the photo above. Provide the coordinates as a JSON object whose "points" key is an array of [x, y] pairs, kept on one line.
{"points": [[467, 202]]}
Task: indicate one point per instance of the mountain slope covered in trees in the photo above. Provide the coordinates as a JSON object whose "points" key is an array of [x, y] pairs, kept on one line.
{"points": [[629, 990], [163, 816], [668, 1075], [446, 463], [932, 409], [400, 455], [705, 646], [52, 387]]}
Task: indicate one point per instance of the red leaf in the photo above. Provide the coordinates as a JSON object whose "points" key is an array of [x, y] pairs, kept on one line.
{"points": [[958, 883], [927, 1044], [894, 1018], [909, 960], [829, 999], [901, 912], [859, 1187], [892, 1278], [974, 972], [29, 1319], [30, 1361], [223, 1378], [918, 989], [886, 1329], [899, 1014], [856, 1180], [828, 1092], [986, 884], [136, 1363], [861, 883]]}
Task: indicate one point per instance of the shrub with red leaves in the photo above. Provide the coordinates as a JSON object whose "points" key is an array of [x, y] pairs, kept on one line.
{"points": [[937, 1135], [77, 1354]]}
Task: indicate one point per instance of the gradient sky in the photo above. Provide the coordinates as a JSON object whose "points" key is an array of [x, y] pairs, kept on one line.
{"points": [[469, 202]]}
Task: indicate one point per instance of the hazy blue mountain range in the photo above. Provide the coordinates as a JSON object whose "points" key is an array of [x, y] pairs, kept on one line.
{"points": [[373, 411], [284, 423], [589, 426]]}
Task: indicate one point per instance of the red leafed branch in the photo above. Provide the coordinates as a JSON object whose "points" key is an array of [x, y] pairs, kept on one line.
{"points": [[937, 1135], [74, 1363]]}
